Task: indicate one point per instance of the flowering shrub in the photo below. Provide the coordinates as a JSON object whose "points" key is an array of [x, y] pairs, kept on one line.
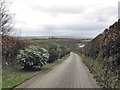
{"points": [[33, 56]]}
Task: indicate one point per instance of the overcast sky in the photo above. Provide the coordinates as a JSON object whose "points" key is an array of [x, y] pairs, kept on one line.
{"points": [[83, 18]]}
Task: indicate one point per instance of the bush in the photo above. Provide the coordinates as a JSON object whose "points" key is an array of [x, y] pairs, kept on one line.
{"points": [[64, 51], [57, 52], [54, 52], [33, 56]]}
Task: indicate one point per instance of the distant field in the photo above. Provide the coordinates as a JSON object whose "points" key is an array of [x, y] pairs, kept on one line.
{"points": [[69, 42], [86, 40], [38, 40]]}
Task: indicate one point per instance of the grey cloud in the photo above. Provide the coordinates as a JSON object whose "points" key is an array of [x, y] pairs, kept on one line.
{"points": [[60, 9], [76, 27], [119, 10], [101, 14], [80, 33], [97, 21], [82, 30], [105, 13]]}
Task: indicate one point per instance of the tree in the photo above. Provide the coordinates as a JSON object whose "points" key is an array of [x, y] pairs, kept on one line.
{"points": [[5, 19]]}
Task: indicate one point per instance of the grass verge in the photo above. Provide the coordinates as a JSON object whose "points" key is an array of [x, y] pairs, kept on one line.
{"points": [[105, 80], [12, 79], [15, 78]]}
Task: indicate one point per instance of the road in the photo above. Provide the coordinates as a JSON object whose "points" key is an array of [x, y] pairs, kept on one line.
{"points": [[71, 73]]}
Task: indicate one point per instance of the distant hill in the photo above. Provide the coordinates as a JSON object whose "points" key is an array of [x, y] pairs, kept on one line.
{"points": [[52, 37]]}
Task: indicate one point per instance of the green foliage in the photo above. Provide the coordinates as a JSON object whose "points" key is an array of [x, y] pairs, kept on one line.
{"points": [[56, 52], [33, 56], [64, 51], [58, 61], [70, 43], [106, 78]]}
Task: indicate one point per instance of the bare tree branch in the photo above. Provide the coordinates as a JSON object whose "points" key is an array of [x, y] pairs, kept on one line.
{"points": [[5, 19]]}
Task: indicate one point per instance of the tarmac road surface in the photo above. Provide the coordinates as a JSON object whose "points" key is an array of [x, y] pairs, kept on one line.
{"points": [[71, 73]]}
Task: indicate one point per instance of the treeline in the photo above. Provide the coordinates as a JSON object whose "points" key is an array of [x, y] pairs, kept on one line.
{"points": [[105, 48]]}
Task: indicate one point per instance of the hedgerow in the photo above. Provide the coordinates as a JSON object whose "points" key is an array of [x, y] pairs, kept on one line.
{"points": [[10, 48], [106, 49]]}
